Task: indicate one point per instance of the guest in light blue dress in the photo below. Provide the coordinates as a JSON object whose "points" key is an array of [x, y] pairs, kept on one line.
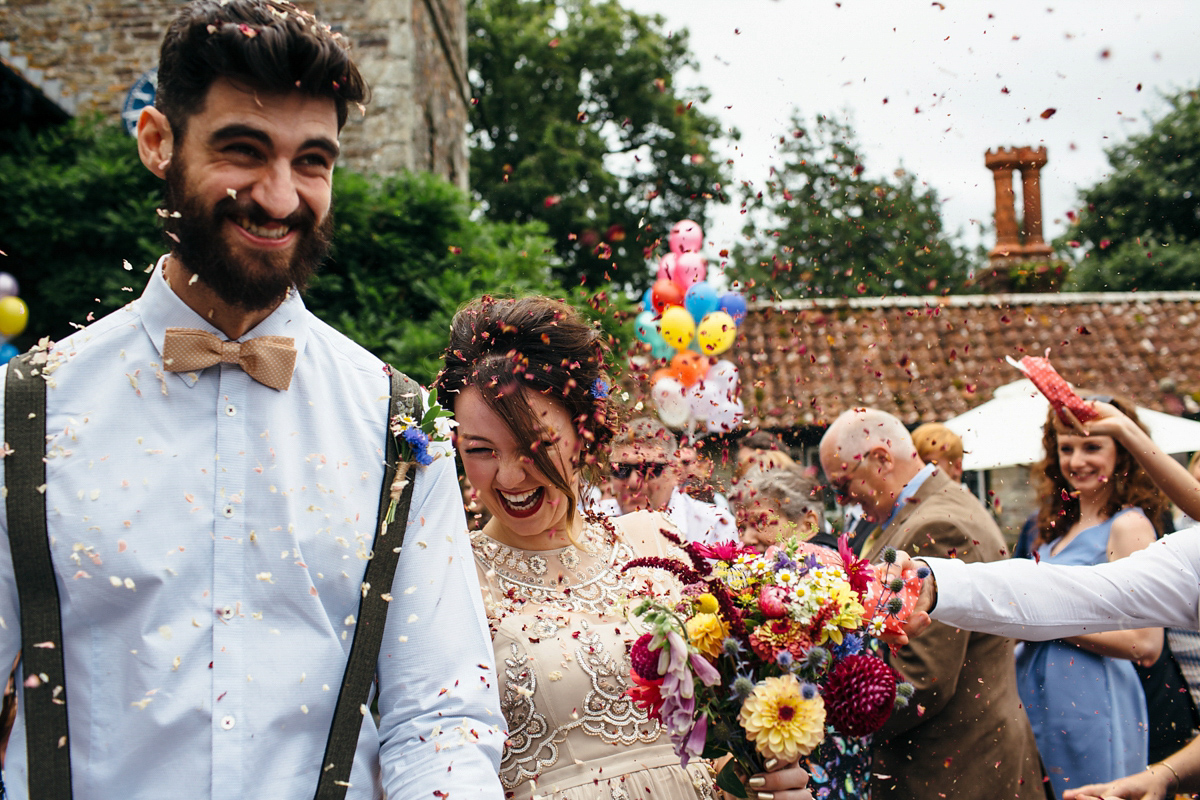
{"points": [[1083, 697]]}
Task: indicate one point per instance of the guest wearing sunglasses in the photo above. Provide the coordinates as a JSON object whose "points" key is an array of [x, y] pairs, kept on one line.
{"points": [[647, 473]]}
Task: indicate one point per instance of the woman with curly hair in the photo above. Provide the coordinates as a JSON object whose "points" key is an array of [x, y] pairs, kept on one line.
{"points": [[525, 380], [1082, 694]]}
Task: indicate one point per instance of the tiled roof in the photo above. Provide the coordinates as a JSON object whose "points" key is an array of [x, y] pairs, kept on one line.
{"points": [[803, 362]]}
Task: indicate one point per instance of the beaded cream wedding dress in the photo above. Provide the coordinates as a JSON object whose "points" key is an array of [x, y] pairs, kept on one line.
{"points": [[561, 634]]}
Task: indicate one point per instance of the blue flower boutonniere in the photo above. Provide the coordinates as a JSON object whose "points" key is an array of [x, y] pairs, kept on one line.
{"points": [[414, 439]]}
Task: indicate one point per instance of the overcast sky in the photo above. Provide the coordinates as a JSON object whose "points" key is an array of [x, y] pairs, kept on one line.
{"points": [[923, 84]]}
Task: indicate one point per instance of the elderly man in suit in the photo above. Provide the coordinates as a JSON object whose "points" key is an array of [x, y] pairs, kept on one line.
{"points": [[964, 735]]}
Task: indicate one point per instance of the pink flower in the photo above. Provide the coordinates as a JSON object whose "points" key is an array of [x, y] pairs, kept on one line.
{"points": [[704, 670], [726, 551], [858, 570], [693, 746], [771, 599], [678, 687]]}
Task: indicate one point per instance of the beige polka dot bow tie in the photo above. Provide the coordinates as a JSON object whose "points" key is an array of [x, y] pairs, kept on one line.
{"points": [[268, 359]]}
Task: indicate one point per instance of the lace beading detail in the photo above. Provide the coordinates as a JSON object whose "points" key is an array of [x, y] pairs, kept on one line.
{"points": [[551, 587], [608, 712], [528, 749], [583, 579]]}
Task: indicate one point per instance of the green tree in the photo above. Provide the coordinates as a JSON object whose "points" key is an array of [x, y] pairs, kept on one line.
{"points": [[578, 123], [1139, 228], [820, 226], [408, 249], [78, 206]]}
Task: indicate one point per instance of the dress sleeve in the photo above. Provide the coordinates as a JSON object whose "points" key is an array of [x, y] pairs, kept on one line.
{"points": [[441, 729], [1157, 586]]}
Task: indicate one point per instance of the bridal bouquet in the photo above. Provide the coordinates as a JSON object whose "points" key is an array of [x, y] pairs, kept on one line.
{"points": [[767, 650]]}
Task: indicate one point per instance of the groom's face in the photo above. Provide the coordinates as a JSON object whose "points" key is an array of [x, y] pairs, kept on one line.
{"points": [[252, 183]]}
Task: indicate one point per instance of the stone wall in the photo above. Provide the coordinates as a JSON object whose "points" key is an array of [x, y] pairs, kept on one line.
{"points": [[86, 56]]}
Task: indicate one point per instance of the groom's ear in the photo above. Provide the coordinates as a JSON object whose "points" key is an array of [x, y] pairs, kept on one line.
{"points": [[155, 140]]}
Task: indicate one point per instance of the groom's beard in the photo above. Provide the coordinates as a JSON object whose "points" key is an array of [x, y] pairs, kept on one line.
{"points": [[241, 276]]}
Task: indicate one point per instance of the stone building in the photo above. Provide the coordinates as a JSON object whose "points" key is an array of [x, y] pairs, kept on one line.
{"points": [[60, 58]]}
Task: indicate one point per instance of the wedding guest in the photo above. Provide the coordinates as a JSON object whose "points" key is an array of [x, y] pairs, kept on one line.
{"points": [[525, 379], [1082, 694], [1158, 585], [200, 663], [646, 474], [966, 701], [780, 503], [937, 444]]}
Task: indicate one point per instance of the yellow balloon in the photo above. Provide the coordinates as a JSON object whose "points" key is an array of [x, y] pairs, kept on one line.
{"points": [[677, 326], [716, 333], [13, 315]]}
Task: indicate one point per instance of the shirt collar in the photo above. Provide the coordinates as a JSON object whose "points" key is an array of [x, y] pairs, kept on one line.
{"points": [[160, 308], [909, 490]]}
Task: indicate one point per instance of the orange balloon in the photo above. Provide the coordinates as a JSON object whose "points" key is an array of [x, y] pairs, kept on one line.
{"points": [[665, 372], [690, 366]]}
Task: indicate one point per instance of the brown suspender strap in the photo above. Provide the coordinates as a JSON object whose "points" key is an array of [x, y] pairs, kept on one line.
{"points": [[372, 610], [45, 695]]}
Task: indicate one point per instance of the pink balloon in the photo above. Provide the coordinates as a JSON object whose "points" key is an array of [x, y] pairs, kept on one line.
{"points": [[666, 268], [689, 268], [685, 237]]}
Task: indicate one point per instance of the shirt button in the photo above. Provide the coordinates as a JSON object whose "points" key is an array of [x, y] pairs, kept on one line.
{"points": [[230, 410], [227, 722], [226, 613], [227, 511]]}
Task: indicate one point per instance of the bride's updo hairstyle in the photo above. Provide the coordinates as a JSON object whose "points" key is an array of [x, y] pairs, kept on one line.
{"points": [[502, 346]]}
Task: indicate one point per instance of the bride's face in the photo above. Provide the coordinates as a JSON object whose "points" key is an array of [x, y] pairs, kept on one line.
{"points": [[528, 511]]}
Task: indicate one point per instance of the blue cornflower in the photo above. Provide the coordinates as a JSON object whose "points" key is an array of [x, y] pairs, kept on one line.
{"points": [[851, 645], [599, 388], [419, 442]]}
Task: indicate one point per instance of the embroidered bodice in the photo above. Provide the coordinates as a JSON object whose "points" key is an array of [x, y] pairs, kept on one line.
{"points": [[561, 631]]}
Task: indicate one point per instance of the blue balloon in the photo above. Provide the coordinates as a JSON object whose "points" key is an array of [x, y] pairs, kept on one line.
{"points": [[701, 299], [734, 304], [661, 349], [648, 299], [645, 328], [8, 352]]}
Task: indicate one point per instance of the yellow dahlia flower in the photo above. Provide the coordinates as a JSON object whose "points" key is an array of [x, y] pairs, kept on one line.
{"points": [[707, 633], [781, 721]]}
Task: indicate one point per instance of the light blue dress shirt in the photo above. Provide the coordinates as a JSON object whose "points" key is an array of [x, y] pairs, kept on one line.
{"points": [[210, 537]]}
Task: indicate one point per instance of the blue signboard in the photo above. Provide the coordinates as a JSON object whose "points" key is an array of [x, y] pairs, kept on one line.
{"points": [[141, 94]]}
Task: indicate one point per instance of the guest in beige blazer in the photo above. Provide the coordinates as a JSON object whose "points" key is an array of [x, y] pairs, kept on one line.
{"points": [[964, 734]]}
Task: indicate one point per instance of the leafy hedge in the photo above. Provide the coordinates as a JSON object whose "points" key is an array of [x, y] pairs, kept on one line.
{"points": [[409, 248]]}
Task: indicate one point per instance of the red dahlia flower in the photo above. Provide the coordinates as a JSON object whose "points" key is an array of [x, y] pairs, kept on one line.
{"points": [[859, 695], [644, 660]]}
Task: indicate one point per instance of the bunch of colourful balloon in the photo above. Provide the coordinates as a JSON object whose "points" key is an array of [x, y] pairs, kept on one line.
{"points": [[14, 315], [689, 324]]}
